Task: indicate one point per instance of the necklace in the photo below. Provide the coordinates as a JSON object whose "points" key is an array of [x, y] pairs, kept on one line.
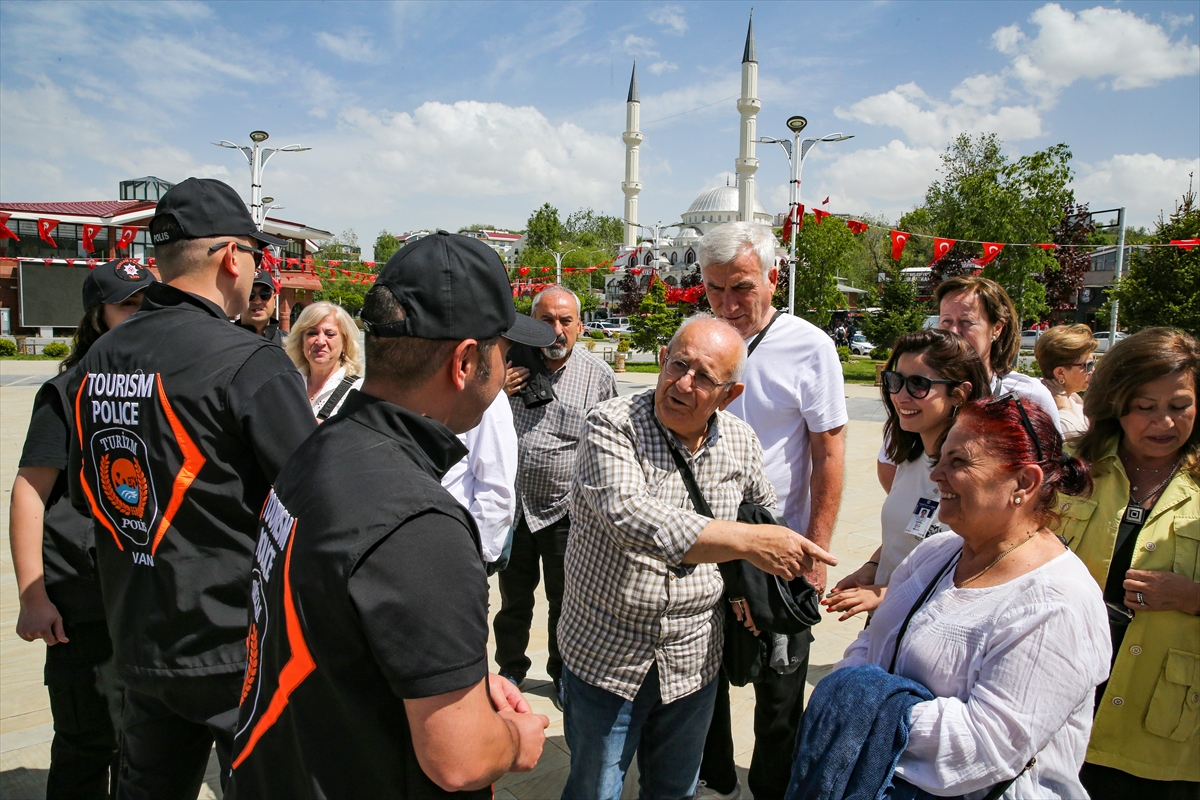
{"points": [[1134, 502], [1149, 472], [999, 558]]}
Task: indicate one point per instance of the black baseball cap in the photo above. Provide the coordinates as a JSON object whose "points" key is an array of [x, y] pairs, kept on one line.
{"points": [[115, 281], [454, 287], [204, 207], [264, 278]]}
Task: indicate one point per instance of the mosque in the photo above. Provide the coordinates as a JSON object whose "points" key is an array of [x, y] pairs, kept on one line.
{"points": [[673, 256]]}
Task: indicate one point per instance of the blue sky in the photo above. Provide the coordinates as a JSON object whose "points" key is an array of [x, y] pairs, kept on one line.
{"points": [[446, 114]]}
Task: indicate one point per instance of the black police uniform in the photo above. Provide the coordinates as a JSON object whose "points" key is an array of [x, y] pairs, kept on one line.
{"points": [[184, 422], [369, 588], [272, 333], [85, 694]]}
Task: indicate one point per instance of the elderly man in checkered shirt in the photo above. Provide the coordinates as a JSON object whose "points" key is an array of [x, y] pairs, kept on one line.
{"points": [[640, 631]]}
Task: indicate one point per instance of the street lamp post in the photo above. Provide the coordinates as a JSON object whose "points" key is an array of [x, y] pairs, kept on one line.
{"points": [[258, 158], [558, 257], [797, 152]]}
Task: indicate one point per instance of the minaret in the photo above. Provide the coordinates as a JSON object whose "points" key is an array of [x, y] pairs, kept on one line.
{"points": [[633, 138], [748, 106]]}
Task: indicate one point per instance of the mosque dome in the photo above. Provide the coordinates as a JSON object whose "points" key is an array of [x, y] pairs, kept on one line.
{"points": [[721, 200]]}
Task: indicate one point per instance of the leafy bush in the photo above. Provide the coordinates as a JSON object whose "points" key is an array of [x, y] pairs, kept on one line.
{"points": [[8, 347], [623, 344], [1031, 367], [56, 350], [598, 335], [881, 354], [843, 353]]}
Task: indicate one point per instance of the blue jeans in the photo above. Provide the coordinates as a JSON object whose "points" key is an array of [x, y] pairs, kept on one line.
{"points": [[604, 730]]}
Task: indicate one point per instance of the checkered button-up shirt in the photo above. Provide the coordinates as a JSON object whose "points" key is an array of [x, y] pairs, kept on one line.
{"points": [[547, 436], [627, 604]]}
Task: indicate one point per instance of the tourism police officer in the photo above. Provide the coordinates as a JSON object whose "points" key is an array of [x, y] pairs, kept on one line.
{"points": [[369, 616], [259, 316], [184, 422]]}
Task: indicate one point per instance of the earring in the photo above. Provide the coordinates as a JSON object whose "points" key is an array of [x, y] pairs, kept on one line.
{"points": [[1017, 500]]}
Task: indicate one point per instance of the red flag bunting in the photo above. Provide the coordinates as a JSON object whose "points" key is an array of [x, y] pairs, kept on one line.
{"points": [[590, 269], [345, 272], [45, 228], [855, 226], [940, 248], [1048, 246], [70, 262], [47, 261], [292, 262], [334, 263], [89, 237], [795, 219], [990, 251], [523, 271], [127, 235], [151, 261], [635, 271], [899, 239], [819, 214], [545, 270], [369, 264], [1186, 244], [92, 262], [5, 231]]}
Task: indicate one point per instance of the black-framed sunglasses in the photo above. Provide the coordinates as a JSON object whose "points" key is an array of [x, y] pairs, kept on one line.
{"points": [[258, 254], [1016, 398], [1088, 365], [264, 293], [918, 385], [677, 368]]}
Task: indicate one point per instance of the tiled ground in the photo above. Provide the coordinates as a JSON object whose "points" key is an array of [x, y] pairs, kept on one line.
{"points": [[25, 725]]}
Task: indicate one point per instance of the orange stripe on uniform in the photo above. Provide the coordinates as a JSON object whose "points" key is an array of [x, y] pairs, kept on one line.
{"points": [[193, 462], [298, 667], [97, 513]]}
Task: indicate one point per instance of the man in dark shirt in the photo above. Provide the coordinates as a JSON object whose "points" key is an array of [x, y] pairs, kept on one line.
{"points": [[183, 423], [259, 315], [368, 623]]}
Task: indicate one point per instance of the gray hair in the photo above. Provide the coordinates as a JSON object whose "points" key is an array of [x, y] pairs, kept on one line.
{"points": [[725, 243], [556, 289], [740, 368]]}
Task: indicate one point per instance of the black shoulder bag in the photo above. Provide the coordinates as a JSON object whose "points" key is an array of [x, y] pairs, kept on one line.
{"points": [[327, 409]]}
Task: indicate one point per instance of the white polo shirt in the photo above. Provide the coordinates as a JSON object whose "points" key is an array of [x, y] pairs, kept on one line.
{"points": [[793, 385]]}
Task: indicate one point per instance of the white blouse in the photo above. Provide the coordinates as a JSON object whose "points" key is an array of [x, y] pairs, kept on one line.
{"points": [[1012, 668], [327, 390], [909, 515]]}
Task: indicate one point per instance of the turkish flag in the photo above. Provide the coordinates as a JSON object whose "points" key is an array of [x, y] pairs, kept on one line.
{"points": [[545, 270], [1047, 246], [292, 262], [1186, 244], [795, 219], [70, 262], [855, 226], [127, 235], [899, 239], [590, 269], [940, 248], [5, 231], [334, 263], [45, 228], [523, 271], [89, 237], [819, 215], [92, 262], [635, 271], [990, 251], [369, 264]]}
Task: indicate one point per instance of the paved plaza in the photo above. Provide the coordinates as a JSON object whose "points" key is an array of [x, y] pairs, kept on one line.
{"points": [[25, 724]]}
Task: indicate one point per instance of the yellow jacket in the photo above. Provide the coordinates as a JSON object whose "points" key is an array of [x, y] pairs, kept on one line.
{"points": [[1149, 722]]}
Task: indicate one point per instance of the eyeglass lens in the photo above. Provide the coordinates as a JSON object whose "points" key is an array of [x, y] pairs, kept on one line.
{"points": [[918, 385], [264, 294], [677, 368]]}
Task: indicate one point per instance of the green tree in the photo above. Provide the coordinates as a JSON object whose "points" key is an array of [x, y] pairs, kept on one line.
{"points": [[589, 229], [1163, 283], [344, 293], [822, 253], [477, 226], [386, 246], [899, 311], [544, 230], [656, 322]]}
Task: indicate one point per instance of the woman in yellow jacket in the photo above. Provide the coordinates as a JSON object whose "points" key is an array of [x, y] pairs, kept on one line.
{"points": [[1139, 535]]}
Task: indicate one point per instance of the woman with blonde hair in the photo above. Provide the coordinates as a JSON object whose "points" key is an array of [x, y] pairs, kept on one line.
{"points": [[323, 344], [1065, 355], [1139, 536]]}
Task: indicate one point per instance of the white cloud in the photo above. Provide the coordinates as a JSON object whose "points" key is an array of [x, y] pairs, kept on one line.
{"points": [[659, 67], [927, 121], [1175, 21], [892, 177], [671, 18], [639, 45], [1145, 183], [352, 45], [1097, 43]]}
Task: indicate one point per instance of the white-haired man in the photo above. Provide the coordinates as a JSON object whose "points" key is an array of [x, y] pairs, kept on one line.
{"points": [[549, 422], [641, 623], [794, 401]]}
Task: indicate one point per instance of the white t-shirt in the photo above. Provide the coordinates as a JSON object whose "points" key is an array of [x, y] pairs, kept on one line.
{"points": [[482, 482], [1012, 669], [793, 385], [327, 390], [909, 515]]}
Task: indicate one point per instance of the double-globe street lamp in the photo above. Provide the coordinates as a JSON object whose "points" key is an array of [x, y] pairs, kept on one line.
{"points": [[797, 151], [258, 158]]}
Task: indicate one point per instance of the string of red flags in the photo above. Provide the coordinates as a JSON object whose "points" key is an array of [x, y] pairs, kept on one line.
{"points": [[5, 231], [899, 239], [45, 227], [819, 215], [940, 248]]}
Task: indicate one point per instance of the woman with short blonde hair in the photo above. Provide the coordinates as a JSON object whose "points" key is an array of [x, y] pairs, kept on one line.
{"points": [[1065, 357], [323, 344]]}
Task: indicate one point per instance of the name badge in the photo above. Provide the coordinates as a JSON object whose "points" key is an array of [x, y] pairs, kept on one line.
{"points": [[922, 518]]}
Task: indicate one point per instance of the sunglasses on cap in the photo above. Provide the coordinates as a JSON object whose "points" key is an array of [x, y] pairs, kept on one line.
{"points": [[1013, 396], [918, 385], [258, 254]]}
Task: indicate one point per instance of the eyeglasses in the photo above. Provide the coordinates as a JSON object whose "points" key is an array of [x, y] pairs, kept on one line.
{"points": [[258, 254], [1004, 398], [677, 368], [918, 385], [263, 294], [1088, 365]]}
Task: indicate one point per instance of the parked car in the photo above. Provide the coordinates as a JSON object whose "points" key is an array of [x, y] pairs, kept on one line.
{"points": [[1102, 340], [860, 346], [1029, 339]]}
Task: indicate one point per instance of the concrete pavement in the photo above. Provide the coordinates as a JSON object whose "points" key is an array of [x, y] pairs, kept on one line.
{"points": [[25, 723]]}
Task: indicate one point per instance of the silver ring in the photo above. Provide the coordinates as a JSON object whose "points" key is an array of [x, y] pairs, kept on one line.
{"points": [[1141, 600]]}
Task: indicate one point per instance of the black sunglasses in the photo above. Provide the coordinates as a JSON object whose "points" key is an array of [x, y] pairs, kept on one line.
{"points": [[263, 294], [1004, 398], [258, 254], [1088, 365], [918, 385]]}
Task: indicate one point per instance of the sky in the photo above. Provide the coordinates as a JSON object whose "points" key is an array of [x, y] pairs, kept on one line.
{"points": [[428, 115]]}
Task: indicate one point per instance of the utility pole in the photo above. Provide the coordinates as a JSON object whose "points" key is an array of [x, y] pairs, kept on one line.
{"points": [[1112, 322]]}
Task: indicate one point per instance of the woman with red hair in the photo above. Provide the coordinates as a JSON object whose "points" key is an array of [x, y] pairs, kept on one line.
{"points": [[998, 620]]}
